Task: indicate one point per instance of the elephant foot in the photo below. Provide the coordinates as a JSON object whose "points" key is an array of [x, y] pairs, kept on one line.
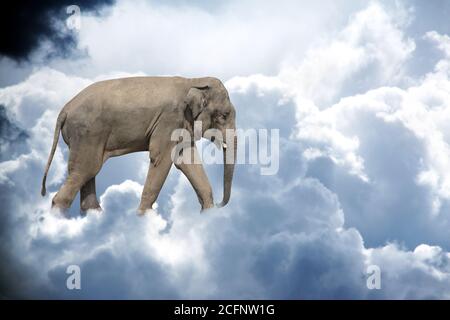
{"points": [[141, 211], [206, 208], [90, 203], [147, 205], [85, 209], [143, 208], [60, 206]]}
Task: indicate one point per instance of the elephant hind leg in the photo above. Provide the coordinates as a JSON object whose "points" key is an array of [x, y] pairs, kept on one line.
{"points": [[84, 163], [88, 196], [64, 197]]}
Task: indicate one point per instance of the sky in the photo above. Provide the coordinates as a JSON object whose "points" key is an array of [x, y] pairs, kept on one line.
{"points": [[360, 94]]}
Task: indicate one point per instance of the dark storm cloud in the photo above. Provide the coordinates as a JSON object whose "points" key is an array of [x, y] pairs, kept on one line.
{"points": [[12, 143], [12, 137], [26, 23]]}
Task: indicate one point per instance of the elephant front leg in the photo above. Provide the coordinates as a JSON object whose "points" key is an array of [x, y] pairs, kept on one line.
{"points": [[191, 166], [88, 196], [157, 174]]}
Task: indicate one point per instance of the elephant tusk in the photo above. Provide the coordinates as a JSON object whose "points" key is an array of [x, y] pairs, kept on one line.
{"points": [[219, 144]]}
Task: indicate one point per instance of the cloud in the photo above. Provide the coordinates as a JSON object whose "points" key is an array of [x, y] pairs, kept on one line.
{"points": [[387, 138], [393, 140], [12, 137], [362, 179], [405, 150], [218, 39], [370, 50], [419, 274]]}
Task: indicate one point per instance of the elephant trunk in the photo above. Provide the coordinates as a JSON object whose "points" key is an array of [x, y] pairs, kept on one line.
{"points": [[228, 171]]}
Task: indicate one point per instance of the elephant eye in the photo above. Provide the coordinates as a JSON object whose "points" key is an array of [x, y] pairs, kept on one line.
{"points": [[221, 116]]}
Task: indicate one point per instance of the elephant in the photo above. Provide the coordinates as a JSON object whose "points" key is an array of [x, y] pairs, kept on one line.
{"points": [[119, 116]]}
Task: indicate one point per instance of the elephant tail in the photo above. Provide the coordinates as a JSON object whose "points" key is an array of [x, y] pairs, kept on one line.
{"points": [[59, 123]]}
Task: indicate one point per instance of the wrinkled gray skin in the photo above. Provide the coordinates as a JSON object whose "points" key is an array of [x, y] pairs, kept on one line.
{"points": [[115, 117]]}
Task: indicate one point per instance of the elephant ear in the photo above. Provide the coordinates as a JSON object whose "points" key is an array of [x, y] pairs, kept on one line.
{"points": [[196, 101]]}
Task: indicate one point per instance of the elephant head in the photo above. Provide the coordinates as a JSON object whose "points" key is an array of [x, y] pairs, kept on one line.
{"points": [[208, 103]]}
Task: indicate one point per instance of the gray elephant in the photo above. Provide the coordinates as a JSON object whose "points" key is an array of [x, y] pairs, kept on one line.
{"points": [[115, 117]]}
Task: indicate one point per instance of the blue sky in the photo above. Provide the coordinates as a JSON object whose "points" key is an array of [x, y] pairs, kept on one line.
{"points": [[360, 92]]}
